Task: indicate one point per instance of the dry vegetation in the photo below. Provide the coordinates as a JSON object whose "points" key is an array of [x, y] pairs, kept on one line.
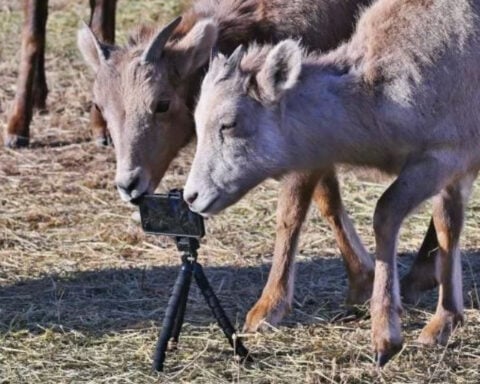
{"points": [[82, 289]]}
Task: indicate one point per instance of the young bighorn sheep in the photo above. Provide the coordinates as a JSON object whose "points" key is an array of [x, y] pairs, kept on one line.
{"points": [[398, 96], [146, 92], [32, 85]]}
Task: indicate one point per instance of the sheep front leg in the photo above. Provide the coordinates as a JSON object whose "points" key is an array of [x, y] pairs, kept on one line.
{"points": [[29, 76], [293, 203], [417, 182], [359, 264]]}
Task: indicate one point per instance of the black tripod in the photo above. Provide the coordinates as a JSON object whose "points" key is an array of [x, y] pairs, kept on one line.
{"points": [[172, 323]]}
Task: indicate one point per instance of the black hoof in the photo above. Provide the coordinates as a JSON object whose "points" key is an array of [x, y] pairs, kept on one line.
{"points": [[382, 358], [15, 141]]}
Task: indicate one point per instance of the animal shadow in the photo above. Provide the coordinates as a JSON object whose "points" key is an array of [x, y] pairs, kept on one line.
{"points": [[110, 300]]}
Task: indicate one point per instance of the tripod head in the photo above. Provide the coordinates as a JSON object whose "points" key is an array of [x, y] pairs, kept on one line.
{"points": [[188, 246]]}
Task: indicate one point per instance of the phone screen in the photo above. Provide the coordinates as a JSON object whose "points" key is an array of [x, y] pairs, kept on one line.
{"points": [[169, 215]]}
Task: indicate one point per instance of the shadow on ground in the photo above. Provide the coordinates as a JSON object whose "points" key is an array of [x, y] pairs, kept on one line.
{"points": [[112, 300]]}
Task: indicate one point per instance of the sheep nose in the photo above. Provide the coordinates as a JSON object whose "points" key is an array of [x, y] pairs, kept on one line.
{"points": [[191, 197], [128, 185]]}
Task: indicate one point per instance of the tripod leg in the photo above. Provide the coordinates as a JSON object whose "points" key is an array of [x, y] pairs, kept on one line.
{"points": [[177, 327], [171, 315], [218, 311]]}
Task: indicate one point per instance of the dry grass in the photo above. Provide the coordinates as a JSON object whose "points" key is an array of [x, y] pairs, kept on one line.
{"points": [[82, 289]]}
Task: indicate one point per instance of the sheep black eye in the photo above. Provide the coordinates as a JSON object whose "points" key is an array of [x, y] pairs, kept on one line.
{"points": [[162, 106], [225, 127], [97, 107]]}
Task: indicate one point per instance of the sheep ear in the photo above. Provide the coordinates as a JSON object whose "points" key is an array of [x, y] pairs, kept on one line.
{"points": [[155, 49], [235, 58], [280, 71], [93, 52], [195, 49]]}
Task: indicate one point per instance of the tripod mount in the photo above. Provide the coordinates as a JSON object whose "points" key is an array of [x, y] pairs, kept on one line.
{"points": [[169, 215]]}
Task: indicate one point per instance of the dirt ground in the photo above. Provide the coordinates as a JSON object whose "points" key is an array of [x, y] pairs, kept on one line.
{"points": [[83, 290]]}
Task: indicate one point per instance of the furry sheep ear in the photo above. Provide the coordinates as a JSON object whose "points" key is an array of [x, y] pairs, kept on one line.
{"points": [[236, 57], [194, 50], [155, 49], [280, 71], [93, 51]]}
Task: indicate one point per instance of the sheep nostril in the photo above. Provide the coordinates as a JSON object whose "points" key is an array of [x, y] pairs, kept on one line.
{"points": [[190, 199]]}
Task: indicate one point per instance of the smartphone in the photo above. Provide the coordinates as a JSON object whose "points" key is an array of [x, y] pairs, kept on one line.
{"points": [[169, 215]]}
